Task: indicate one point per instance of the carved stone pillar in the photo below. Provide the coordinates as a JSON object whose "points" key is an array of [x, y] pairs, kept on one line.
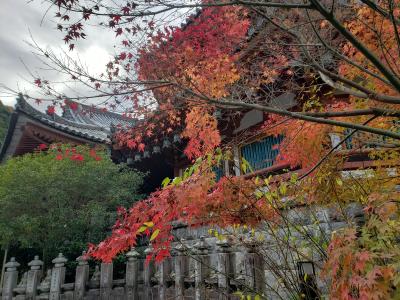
{"points": [[106, 280], [57, 276], [10, 279], [224, 269], [254, 267], [132, 275], [180, 270], [148, 273], [34, 276], [81, 277], [201, 267], [162, 276]]}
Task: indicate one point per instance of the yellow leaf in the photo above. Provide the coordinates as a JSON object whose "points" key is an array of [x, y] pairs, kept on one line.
{"points": [[141, 229], [154, 234]]}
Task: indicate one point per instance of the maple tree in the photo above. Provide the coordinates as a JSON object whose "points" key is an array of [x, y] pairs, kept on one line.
{"points": [[179, 77]]}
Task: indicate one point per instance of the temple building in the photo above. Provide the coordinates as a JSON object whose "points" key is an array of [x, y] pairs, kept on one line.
{"points": [[80, 124], [29, 127]]}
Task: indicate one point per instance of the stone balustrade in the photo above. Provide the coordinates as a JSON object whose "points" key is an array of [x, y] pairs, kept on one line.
{"points": [[203, 268], [199, 268]]}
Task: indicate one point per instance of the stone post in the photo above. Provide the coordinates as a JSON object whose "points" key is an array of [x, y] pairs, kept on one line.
{"points": [[10, 279], [163, 271], [223, 267], [57, 276], [201, 267], [148, 273], [34, 276], [179, 270], [132, 275], [254, 267], [106, 280], [81, 276]]}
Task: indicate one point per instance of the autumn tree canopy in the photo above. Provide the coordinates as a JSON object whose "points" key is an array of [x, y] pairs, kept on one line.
{"points": [[339, 59]]}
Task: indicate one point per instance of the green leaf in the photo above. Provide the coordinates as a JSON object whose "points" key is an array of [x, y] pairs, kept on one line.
{"points": [[177, 180], [165, 182], [283, 189], [141, 229], [154, 234]]}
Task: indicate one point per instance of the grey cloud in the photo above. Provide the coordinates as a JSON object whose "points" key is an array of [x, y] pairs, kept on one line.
{"points": [[17, 19]]}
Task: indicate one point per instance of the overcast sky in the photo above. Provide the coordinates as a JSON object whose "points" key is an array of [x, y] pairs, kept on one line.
{"points": [[19, 18]]}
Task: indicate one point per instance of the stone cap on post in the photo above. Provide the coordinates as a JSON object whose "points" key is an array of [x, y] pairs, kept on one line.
{"points": [[252, 243], [36, 263], [132, 254], [181, 247], [223, 246], [201, 247], [12, 265], [59, 261], [82, 260], [148, 250]]}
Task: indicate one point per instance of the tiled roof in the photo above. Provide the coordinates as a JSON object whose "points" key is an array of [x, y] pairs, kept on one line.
{"points": [[86, 122], [85, 114]]}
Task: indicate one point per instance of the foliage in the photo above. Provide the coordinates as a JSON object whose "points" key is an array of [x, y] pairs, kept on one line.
{"points": [[55, 204]]}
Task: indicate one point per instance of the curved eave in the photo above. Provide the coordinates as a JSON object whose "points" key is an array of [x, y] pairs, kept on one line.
{"points": [[60, 129]]}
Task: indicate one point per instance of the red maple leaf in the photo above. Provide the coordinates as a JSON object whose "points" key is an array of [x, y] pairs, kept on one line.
{"points": [[42, 147], [131, 144], [118, 31], [77, 157], [125, 10], [117, 18], [73, 105], [51, 110]]}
